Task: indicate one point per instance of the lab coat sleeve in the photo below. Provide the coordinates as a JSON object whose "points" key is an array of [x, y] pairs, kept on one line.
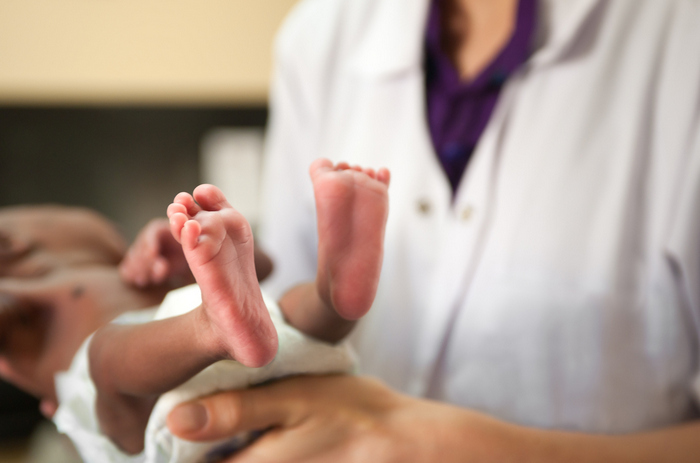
{"points": [[684, 244], [288, 226]]}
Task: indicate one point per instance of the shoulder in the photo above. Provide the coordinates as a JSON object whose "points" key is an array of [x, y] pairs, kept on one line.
{"points": [[318, 31]]}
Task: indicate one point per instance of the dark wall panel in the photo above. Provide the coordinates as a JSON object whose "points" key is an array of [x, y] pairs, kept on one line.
{"points": [[126, 162]]}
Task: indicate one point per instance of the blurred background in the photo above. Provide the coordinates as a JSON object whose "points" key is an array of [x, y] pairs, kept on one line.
{"points": [[117, 105]]}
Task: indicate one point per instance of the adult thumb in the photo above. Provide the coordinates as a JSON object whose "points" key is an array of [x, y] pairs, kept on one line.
{"points": [[230, 413]]}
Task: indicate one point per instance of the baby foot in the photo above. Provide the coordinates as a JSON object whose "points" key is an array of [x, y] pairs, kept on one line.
{"points": [[218, 245], [351, 206]]}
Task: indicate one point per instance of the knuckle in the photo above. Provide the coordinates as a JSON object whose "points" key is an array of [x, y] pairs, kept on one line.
{"points": [[226, 411]]}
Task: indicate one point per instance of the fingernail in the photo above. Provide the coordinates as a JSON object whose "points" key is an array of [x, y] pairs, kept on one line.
{"points": [[189, 417]]}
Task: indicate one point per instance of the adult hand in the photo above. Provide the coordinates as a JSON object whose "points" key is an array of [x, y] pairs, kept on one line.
{"points": [[155, 258], [340, 419], [346, 419]]}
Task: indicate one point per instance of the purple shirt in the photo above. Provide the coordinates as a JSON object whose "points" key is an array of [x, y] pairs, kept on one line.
{"points": [[459, 111]]}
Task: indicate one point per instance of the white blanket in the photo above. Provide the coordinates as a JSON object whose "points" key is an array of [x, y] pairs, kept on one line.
{"points": [[76, 417]]}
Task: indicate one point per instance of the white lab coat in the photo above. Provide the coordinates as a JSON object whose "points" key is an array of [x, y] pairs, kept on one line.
{"points": [[561, 286]]}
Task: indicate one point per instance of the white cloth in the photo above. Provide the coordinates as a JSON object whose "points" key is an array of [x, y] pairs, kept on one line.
{"points": [[561, 285], [297, 354]]}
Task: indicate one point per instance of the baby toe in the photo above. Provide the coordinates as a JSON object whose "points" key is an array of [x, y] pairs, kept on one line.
{"points": [[210, 198]]}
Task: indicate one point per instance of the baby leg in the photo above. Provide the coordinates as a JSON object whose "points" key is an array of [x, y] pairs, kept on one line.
{"points": [[218, 245], [352, 206]]}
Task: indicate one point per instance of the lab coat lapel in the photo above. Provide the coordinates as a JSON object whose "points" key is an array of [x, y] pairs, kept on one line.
{"points": [[560, 27], [465, 232], [467, 225], [392, 40]]}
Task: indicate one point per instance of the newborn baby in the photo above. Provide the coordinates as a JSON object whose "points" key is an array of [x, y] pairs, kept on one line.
{"points": [[107, 398]]}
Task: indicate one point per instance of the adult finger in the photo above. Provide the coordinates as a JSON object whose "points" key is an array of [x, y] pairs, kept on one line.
{"points": [[230, 413]]}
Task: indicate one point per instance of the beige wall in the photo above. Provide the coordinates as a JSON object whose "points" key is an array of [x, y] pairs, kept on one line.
{"points": [[137, 51]]}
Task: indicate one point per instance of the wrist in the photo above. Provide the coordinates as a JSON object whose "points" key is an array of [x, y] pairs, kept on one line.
{"points": [[481, 437], [461, 435]]}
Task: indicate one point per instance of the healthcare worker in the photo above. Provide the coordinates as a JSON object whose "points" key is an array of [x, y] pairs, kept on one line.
{"points": [[551, 286]]}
